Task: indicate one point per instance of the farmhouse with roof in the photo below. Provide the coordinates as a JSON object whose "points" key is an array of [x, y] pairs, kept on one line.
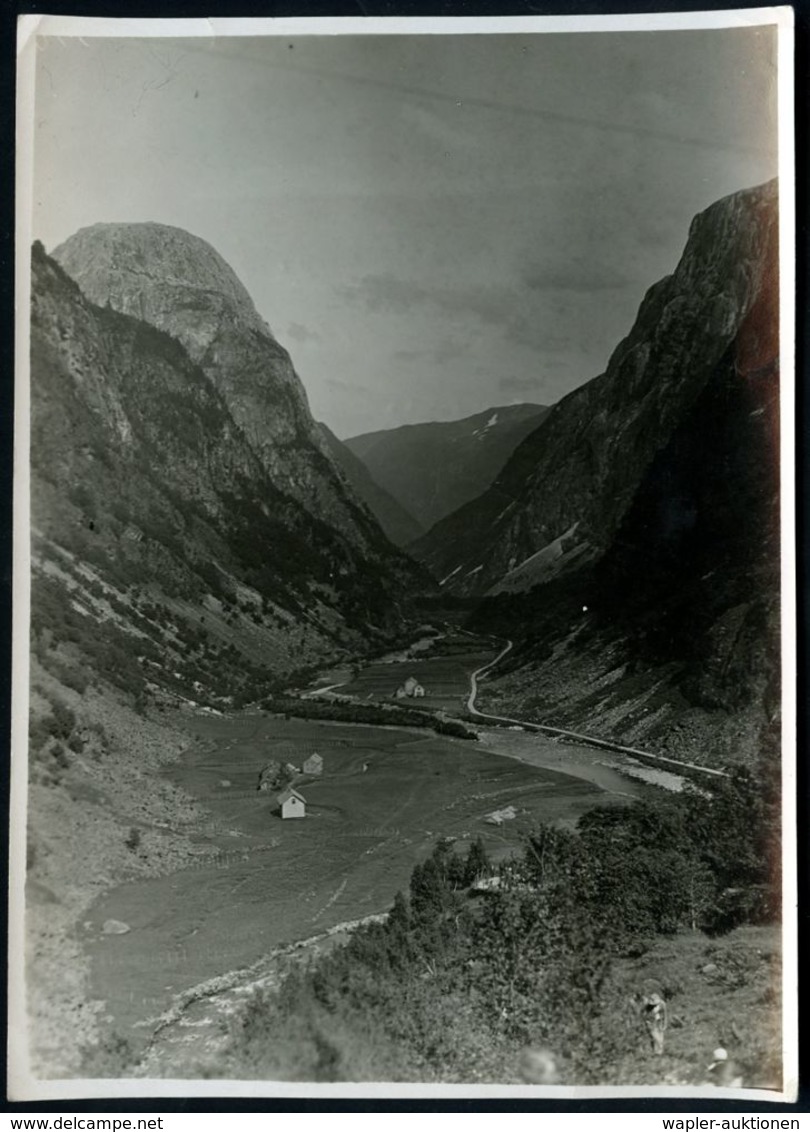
{"points": [[411, 689], [293, 804], [313, 765]]}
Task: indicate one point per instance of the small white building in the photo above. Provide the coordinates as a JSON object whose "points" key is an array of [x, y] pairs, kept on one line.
{"points": [[313, 765], [411, 689], [293, 804]]}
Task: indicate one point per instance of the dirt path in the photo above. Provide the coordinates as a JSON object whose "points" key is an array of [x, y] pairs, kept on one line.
{"points": [[481, 672], [670, 767]]}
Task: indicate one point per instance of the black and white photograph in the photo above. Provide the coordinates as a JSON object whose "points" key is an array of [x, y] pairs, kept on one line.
{"points": [[404, 691]]}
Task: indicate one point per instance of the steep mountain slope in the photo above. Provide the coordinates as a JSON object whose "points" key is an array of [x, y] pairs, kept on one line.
{"points": [[670, 640], [173, 564], [400, 527], [176, 282], [433, 468], [164, 551], [561, 497]]}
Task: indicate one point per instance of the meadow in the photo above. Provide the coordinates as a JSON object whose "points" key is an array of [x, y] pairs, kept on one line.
{"points": [[445, 678], [267, 882]]}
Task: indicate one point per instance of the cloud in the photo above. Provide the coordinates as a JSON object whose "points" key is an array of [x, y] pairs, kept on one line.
{"points": [[520, 385], [445, 350], [345, 386], [384, 293], [492, 305], [448, 351], [300, 333], [545, 334], [583, 277]]}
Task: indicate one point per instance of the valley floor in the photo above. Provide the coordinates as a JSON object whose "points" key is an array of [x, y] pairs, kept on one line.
{"points": [[264, 882], [162, 949]]}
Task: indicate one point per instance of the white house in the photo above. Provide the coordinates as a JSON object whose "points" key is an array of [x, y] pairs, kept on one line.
{"points": [[293, 804], [313, 765], [411, 688]]}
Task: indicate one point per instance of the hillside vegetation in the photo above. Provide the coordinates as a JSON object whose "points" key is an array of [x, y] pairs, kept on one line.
{"points": [[173, 566], [554, 954], [163, 550]]}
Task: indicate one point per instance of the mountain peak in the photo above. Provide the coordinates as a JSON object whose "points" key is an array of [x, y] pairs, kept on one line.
{"points": [[176, 282], [162, 275]]}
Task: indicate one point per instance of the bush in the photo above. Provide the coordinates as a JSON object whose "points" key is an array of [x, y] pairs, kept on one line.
{"points": [[59, 756], [64, 720], [350, 712], [454, 989]]}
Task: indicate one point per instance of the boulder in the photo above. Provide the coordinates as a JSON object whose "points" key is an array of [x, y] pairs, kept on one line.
{"points": [[115, 927]]}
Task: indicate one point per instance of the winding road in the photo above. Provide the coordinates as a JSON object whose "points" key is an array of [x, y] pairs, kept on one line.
{"points": [[474, 684], [590, 740], [662, 761]]}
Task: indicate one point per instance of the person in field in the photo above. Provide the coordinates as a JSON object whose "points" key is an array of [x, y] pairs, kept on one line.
{"points": [[654, 1014]]}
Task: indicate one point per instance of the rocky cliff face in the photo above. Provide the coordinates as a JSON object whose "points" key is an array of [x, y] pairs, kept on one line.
{"points": [[166, 552], [669, 639], [561, 498], [433, 468], [178, 283]]}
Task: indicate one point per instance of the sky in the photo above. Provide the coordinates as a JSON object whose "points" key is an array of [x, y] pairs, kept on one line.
{"points": [[432, 225]]}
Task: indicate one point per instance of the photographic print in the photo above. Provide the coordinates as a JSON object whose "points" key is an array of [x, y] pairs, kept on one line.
{"points": [[404, 678]]}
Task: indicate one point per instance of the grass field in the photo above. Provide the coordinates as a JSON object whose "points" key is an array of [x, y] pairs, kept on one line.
{"points": [[273, 881], [446, 679], [721, 992]]}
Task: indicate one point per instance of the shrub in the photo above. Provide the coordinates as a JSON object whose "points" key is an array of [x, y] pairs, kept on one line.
{"points": [[64, 720], [350, 712], [59, 756], [454, 989]]}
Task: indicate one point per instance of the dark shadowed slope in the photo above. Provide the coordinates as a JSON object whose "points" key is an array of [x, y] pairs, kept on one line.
{"points": [[433, 468], [400, 526], [670, 641]]}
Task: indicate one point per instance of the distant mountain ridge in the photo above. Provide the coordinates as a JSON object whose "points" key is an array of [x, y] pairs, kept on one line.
{"points": [[400, 527], [435, 467]]}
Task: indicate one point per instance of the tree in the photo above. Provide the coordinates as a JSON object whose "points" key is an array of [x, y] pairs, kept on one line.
{"points": [[477, 863], [399, 918], [426, 891]]}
